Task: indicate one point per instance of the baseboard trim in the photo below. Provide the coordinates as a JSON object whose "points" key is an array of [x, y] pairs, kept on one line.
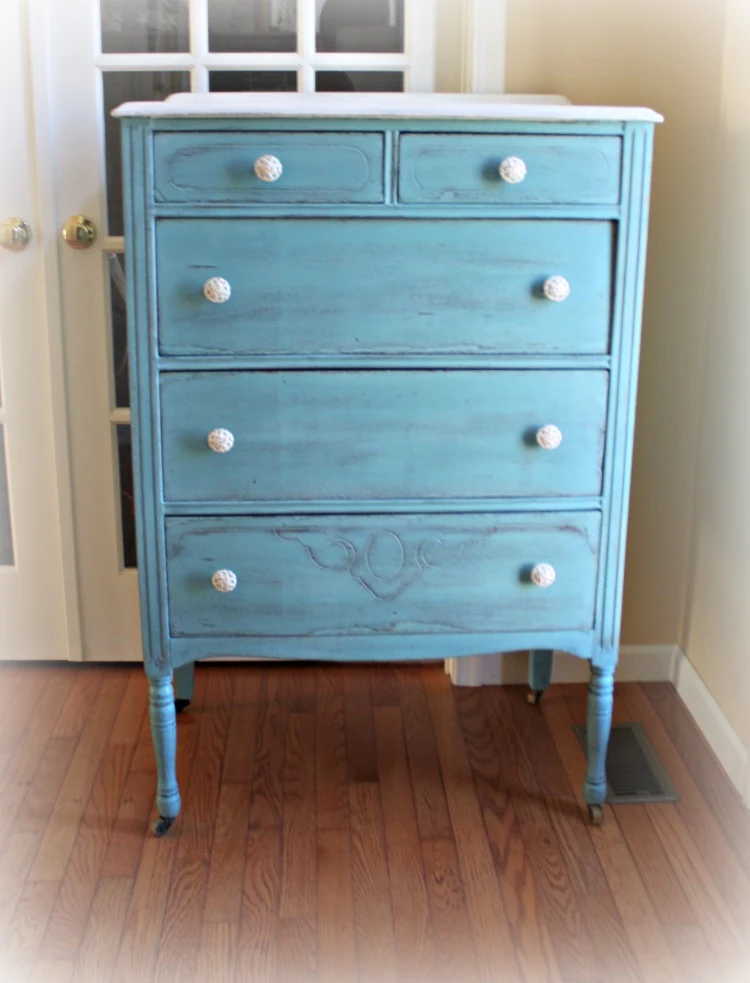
{"points": [[637, 664], [710, 720]]}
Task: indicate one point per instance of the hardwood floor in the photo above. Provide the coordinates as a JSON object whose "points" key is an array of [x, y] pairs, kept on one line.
{"points": [[352, 824]]}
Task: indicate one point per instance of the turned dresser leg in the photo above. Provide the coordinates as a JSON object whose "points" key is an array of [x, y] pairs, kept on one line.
{"points": [[598, 726], [540, 673], [164, 739]]}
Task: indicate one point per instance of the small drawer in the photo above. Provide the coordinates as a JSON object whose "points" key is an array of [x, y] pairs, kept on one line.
{"points": [[390, 286], [260, 436], [554, 170], [381, 574], [237, 168]]}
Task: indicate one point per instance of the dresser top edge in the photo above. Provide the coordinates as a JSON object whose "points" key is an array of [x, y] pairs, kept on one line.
{"points": [[461, 106]]}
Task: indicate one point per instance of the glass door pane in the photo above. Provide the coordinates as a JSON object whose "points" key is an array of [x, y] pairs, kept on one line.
{"points": [[361, 25], [252, 25], [133, 26]]}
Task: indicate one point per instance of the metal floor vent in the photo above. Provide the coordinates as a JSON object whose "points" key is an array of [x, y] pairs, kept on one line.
{"points": [[634, 772]]}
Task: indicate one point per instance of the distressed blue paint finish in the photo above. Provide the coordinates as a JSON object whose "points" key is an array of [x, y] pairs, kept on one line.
{"points": [[396, 286], [540, 670], [381, 435], [164, 735], [317, 167], [184, 682], [461, 168], [390, 575], [378, 362]]}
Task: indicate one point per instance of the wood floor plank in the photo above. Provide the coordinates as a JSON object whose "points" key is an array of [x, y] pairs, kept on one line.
{"points": [[361, 755], [258, 941], [373, 911], [555, 890], [53, 972], [411, 919], [21, 711], [227, 873], [79, 884], [384, 685], [23, 937], [695, 813], [243, 727], [81, 697], [130, 826], [298, 844], [512, 866], [336, 944], [430, 800], [454, 951], [331, 788], [217, 955], [98, 951], [41, 794], [693, 954], [633, 901], [273, 716], [62, 829], [614, 954], [492, 936], [721, 796], [296, 951], [133, 710]]}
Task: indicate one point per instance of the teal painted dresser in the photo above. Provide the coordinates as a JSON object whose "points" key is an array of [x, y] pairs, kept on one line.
{"points": [[383, 370]]}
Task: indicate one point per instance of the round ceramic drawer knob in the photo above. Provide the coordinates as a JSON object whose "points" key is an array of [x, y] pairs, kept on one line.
{"points": [[217, 290], [549, 437], [268, 168], [543, 575], [224, 581], [556, 288], [220, 441], [512, 170]]}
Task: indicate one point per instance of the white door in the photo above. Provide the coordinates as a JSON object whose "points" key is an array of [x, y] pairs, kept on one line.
{"points": [[102, 53], [32, 601]]}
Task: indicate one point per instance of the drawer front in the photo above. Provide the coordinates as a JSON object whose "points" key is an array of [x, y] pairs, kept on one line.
{"points": [[219, 168], [381, 435], [397, 574], [560, 170], [389, 286]]}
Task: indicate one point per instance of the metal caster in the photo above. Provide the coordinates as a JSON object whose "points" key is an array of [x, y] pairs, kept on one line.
{"points": [[161, 826], [535, 697], [180, 705], [596, 815]]}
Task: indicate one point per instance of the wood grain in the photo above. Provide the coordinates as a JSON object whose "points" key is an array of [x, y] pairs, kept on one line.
{"points": [[336, 943]]}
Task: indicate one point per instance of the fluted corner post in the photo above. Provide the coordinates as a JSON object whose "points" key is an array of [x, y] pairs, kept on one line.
{"points": [[598, 725], [164, 738], [540, 673]]}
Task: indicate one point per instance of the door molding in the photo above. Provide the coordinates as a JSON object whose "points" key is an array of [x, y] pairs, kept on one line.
{"points": [[483, 48]]}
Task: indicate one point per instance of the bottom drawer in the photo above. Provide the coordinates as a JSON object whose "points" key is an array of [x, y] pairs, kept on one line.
{"points": [[298, 576]]}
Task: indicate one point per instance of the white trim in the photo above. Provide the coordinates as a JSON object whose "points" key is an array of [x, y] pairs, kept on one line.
{"points": [[637, 663], [419, 45], [483, 50], [713, 724]]}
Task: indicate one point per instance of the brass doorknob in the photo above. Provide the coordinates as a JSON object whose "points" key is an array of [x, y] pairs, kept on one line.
{"points": [[15, 234], [79, 232]]}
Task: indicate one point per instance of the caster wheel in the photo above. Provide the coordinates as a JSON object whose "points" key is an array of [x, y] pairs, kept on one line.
{"points": [[596, 815], [535, 697], [161, 826], [180, 705]]}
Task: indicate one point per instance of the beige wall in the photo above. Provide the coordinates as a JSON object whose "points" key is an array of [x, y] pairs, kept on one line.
{"points": [[687, 581]]}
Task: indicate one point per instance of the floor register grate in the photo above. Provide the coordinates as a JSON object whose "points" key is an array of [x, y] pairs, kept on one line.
{"points": [[634, 772]]}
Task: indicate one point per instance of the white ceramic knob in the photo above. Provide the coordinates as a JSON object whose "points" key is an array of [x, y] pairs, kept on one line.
{"points": [[217, 290], [512, 170], [224, 581], [556, 288], [220, 440], [543, 575], [549, 437], [268, 168]]}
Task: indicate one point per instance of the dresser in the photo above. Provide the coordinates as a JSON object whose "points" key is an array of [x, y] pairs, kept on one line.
{"points": [[383, 359]]}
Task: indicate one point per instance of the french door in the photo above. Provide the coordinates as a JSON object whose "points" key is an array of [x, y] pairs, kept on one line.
{"points": [[32, 598], [104, 52]]}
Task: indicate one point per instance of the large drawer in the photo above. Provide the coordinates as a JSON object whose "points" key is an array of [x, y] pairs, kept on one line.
{"points": [[381, 435], [219, 168], [384, 285], [559, 170], [399, 574]]}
